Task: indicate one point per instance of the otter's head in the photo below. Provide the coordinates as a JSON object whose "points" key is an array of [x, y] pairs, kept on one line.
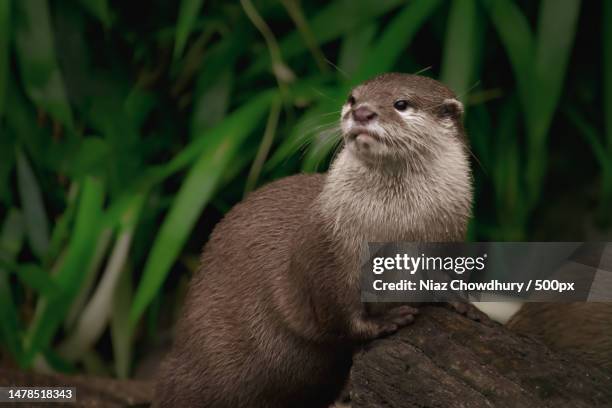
{"points": [[401, 117]]}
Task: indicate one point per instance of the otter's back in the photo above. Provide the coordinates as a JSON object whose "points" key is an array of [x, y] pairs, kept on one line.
{"points": [[269, 216]]}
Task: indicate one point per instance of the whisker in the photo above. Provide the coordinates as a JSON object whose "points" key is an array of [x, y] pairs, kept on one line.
{"points": [[330, 113], [324, 95], [471, 152], [337, 68], [427, 68]]}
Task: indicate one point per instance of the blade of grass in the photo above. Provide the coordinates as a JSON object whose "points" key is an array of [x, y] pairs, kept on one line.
{"points": [[222, 144], [592, 137], [510, 207], [355, 49], [37, 279], [11, 240], [326, 26], [99, 9], [246, 114], [590, 134], [96, 314], [61, 230], [396, 37], [56, 364], [5, 30], [212, 104], [37, 61], [13, 232], [517, 39], [188, 12], [33, 206], [322, 115], [120, 326], [460, 47], [302, 134], [51, 311], [91, 273], [280, 69], [264, 147], [297, 15], [556, 31]]}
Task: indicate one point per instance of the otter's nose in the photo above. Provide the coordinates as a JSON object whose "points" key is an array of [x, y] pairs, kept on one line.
{"points": [[363, 115]]}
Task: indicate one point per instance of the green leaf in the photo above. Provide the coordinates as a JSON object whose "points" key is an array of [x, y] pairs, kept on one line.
{"points": [[61, 230], [507, 171], [90, 275], [7, 162], [396, 37], [99, 9], [33, 206], [315, 120], [51, 311], [515, 34], [40, 71], [13, 232], [221, 146], [355, 49], [95, 315], [326, 26], [590, 134], [10, 326], [11, 240], [264, 146], [460, 47], [36, 278], [294, 9], [120, 326], [187, 16], [212, 103], [5, 30], [556, 31]]}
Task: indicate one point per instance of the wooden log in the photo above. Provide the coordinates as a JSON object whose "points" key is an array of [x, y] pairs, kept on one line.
{"points": [[90, 391], [447, 360]]}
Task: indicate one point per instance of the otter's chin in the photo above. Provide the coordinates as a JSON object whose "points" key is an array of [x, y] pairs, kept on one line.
{"points": [[366, 146]]}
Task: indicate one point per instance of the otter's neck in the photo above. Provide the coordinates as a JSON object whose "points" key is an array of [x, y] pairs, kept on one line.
{"points": [[366, 204]]}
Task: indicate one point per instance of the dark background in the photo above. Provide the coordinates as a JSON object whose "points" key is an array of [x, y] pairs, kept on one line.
{"points": [[127, 129]]}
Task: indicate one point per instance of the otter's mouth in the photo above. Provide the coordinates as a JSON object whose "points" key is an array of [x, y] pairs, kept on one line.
{"points": [[364, 133], [364, 141]]}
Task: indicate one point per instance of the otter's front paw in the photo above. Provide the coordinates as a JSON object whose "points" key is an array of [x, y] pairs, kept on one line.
{"points": [[396, 318], [468, 310]]}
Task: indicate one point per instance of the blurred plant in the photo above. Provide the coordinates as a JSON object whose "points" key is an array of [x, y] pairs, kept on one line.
{"points": [[122, 134], [601, 146]]}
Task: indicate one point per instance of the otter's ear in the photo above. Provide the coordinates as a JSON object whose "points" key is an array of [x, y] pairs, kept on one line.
{"points": [[451, 108]]}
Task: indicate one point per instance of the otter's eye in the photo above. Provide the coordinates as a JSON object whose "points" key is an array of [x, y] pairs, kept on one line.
{"points": [[351, 100], [401, 105]]}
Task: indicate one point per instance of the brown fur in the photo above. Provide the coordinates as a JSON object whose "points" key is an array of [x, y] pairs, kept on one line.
{"points": [[272, 318], [583, 330]]}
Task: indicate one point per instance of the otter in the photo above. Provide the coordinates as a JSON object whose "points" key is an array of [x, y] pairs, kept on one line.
{"points": [[579, 329], [273, 315]]}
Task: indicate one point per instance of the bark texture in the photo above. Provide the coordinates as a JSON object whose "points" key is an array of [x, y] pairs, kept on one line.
{"points": [[446, 360]]}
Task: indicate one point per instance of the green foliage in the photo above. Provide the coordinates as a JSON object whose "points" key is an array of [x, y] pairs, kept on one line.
{"points": [[123, 140]]}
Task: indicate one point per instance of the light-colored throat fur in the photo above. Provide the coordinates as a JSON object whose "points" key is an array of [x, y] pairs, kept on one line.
{"points": [[366, 204]]}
